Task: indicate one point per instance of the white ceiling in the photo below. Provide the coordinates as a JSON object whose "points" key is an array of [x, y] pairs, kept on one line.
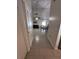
{"points": [[41, 3], [42, 7]]}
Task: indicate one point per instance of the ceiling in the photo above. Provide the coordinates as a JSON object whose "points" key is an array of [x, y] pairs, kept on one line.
{"points": [[42, 8]]}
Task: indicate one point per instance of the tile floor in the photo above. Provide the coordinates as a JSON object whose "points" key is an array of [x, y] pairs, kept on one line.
{"points": [[41, 48]]}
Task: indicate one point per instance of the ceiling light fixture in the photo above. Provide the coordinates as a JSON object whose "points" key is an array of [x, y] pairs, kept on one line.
{"points": [[36, 18]]}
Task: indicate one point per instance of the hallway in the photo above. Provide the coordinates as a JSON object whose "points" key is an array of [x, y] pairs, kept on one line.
{"points": [[34, 15], [41, 48]]}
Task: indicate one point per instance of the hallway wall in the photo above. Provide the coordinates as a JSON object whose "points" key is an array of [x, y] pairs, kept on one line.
{"points": [[54, 24], [22, 35], [29, 21]]}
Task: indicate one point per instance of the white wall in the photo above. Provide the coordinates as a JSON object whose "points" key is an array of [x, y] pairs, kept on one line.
{"points": [[54, 24]]}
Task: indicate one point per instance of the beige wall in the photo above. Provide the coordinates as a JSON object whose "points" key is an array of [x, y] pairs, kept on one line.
{"points": [[22, 34], [55, 24], [28, 9], [24, 31]]}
